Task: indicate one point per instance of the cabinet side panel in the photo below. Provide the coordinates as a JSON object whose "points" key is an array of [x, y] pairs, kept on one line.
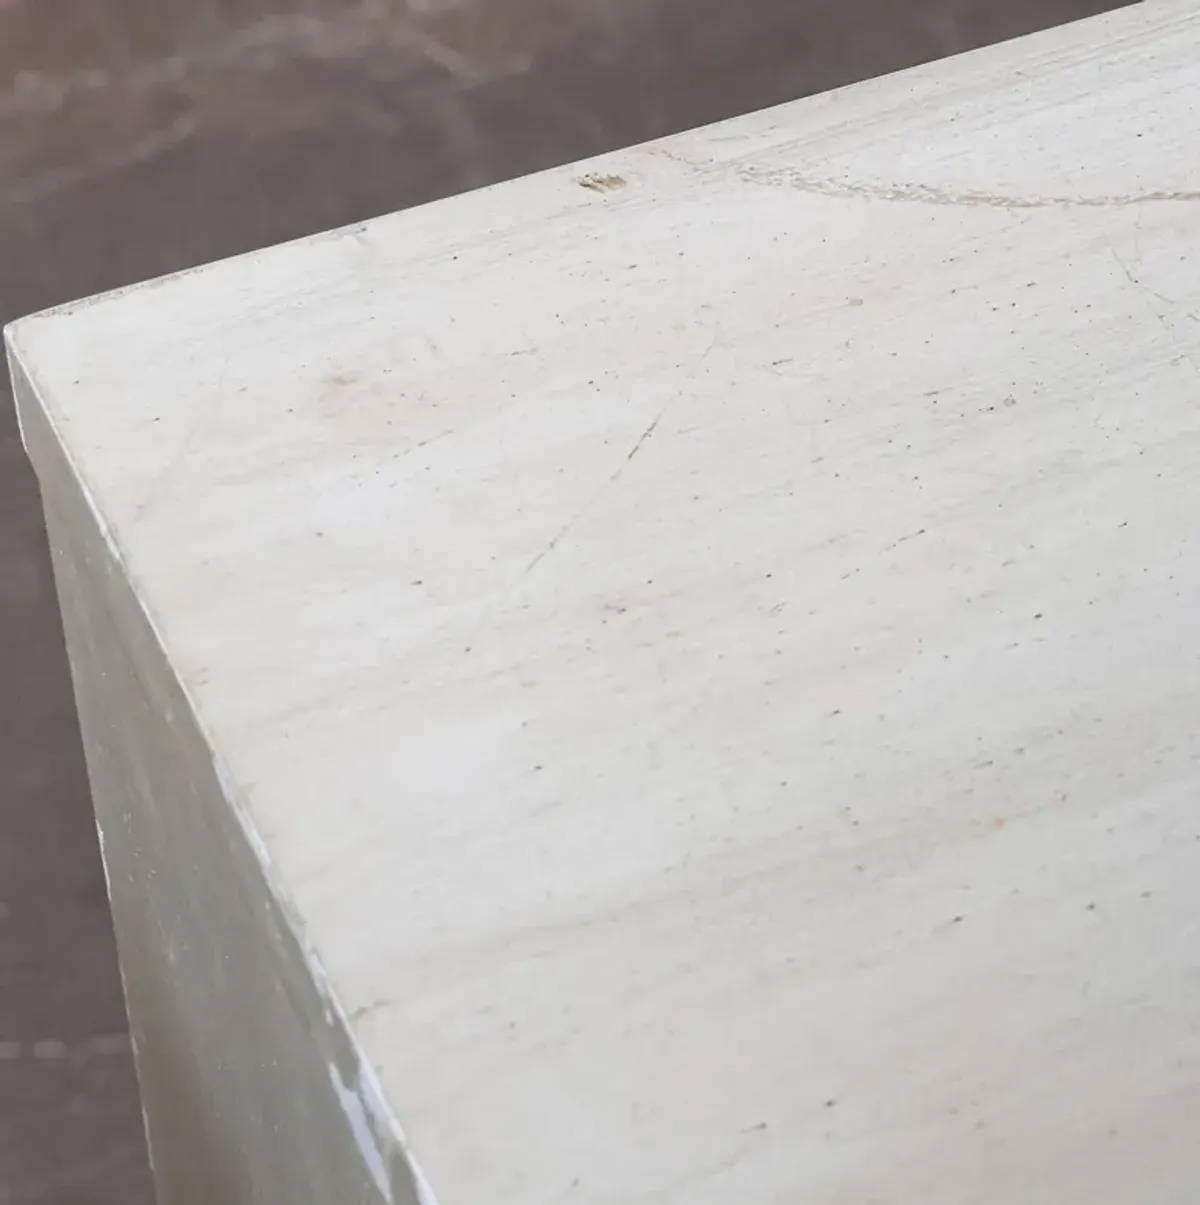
{"points": [[251, 1089]]}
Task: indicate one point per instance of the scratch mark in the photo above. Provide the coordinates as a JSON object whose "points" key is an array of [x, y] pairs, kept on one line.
{"points": [[928, 194], [923, 194], [1133, 280], [641, 439], [165, 477], [613, 478], [638, 443], [167, 474], [1168, 329], [633, 451], [422, 443], [912, 535], [365, 1010]]}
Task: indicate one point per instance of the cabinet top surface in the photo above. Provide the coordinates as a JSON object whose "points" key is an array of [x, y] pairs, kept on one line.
{"points": [[707, 638]]}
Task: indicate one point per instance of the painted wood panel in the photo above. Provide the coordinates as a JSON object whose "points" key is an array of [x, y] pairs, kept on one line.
{"points": [[699, 648]]}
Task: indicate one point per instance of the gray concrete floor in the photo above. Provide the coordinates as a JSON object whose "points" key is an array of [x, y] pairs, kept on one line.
{"points": [[139, 137]]}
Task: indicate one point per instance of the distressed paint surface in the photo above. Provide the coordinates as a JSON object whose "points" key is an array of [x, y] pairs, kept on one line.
{"points": [[706, 638]]}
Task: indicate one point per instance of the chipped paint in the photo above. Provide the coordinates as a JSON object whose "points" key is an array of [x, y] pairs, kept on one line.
{"points": [[350, 1097]]}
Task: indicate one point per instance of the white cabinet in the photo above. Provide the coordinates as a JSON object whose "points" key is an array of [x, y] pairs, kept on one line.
{"points": [[672, 680]]}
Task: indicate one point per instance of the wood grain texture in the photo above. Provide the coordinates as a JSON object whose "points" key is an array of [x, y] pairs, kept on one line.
{"points": [[705, 639]]}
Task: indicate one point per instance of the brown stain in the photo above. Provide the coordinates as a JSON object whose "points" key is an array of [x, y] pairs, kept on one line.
{"points": [[352, 408], [601, 182], [337, 381], [374, 415]]}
